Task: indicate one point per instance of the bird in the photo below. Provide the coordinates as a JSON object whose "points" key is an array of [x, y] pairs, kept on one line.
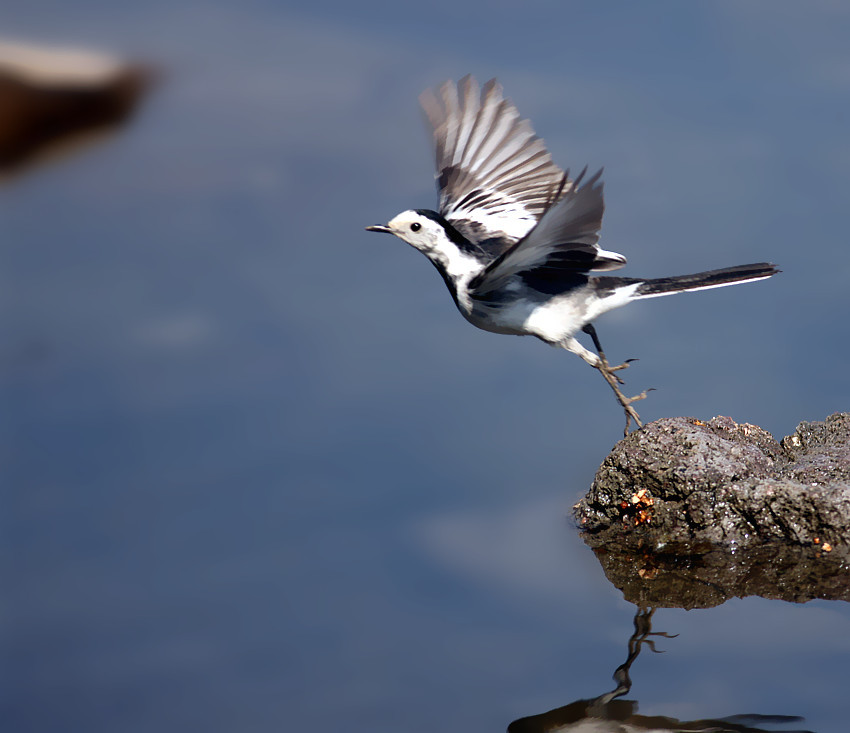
{"points": [[516, 239]]}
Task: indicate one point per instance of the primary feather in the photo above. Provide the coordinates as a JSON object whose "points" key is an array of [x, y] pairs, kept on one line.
{"points": [[495, 177]]}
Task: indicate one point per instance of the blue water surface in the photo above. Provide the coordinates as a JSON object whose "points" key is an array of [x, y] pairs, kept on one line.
{"points": [[258, 473]]}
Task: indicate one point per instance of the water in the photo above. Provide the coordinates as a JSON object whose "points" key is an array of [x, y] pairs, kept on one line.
{"points": [[259, 475]]}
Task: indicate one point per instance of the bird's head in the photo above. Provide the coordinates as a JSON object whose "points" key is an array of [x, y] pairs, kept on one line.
{"points": [[457, 259], [418, 230]]}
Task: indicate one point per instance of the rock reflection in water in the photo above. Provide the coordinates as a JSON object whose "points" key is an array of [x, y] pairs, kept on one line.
{"points": [[706, 576], [691, 577], [608, 713]]}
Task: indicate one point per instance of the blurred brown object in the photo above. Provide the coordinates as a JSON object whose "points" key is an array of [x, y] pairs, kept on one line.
{"points": [[53, 99]]}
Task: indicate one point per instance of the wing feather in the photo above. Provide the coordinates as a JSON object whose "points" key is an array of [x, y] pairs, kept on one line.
{"points": [[494, 175], [564, 240]]}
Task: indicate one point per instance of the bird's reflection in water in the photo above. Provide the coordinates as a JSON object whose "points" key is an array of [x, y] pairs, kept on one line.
{"points": [[607, 713]]}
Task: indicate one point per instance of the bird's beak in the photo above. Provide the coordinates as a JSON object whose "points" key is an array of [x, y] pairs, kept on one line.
{"points": [[380, 228]]}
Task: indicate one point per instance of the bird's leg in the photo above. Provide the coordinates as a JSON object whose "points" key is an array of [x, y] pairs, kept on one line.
{"points": [[591, 331], [626, 402], [600, 362]]}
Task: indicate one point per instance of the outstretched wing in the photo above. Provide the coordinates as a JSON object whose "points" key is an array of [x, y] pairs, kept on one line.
{"points": [[564, 242], [494, 175]]}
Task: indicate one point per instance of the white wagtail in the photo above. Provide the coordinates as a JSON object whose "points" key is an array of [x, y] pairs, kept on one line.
{"points": [[515, 238]]}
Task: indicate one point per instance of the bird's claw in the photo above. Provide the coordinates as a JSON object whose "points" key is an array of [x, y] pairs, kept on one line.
{"points": [[608, 372], [625, 365]]}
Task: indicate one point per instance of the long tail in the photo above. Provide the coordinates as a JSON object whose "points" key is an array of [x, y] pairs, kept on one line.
{"points": [[705, 280]]}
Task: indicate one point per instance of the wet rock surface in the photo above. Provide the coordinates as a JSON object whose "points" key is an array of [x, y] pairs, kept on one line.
{"points": [[679, 483]]}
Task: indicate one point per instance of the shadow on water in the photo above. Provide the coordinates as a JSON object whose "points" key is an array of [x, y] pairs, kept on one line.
{"points": [[700, 577]]}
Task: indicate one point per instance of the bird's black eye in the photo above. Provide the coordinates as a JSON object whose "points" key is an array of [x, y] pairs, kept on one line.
{"points": [[415, 227]]}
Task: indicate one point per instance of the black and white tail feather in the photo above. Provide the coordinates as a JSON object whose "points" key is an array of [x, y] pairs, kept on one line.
{"points": [[706, 280], [516, 239]]}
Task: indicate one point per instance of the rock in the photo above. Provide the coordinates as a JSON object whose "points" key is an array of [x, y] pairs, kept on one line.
{"points": [[680, 482], [55, 99]]}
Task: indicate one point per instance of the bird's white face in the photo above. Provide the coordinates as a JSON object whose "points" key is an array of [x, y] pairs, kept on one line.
{"points": [[431, 239], [417, 230]]}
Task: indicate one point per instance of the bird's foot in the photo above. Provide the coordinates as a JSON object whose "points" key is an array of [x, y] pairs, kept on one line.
{"points": [[614, 381], [625, 365]]}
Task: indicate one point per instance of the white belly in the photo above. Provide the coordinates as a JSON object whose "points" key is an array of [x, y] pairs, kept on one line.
{"points": [[554, 320]]}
